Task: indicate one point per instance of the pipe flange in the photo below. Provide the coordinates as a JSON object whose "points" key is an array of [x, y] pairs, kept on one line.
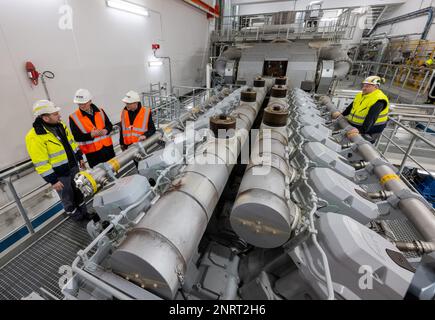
{"points": [[223, 122]]}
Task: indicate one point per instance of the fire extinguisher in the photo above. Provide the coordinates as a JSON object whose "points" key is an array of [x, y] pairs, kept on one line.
{"points": [[32, 73]]}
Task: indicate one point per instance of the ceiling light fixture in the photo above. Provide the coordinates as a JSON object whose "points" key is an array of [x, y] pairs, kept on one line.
{"points": [[128, 6]]}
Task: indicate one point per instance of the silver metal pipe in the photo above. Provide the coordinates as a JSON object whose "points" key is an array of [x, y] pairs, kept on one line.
{"points": [[158, 249], [263, 213], [416, 211], [418, 246], [90, 181]]}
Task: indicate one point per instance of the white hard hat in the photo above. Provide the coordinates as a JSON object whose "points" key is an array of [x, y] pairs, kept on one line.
{"points": [[43, 107], [131, 97], [375, 80], [82, 96]]}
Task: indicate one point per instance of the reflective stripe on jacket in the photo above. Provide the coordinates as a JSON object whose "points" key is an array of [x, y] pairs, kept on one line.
{"points": [[132, 132], [47, 152], [361, 107], [85, 125]]}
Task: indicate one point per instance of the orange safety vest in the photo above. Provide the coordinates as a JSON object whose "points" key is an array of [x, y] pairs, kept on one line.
{"points": [[86, 126], [132, 132]]}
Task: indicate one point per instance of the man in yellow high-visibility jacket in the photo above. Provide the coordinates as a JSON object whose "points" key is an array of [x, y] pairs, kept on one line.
{"points": [[368, 112], [56, 156], [431, 89]]}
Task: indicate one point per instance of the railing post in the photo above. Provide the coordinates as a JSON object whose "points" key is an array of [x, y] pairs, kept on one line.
{"points": [[20, 206], [404, 82], [193, 98], [426, 88], [408, 152], [429, 122], [394, 77], [386, 71], [421, 86], [393, 133], [378, 141]]}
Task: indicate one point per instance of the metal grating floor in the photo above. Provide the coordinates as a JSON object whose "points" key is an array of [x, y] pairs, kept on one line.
{"points": [[38, 265]]}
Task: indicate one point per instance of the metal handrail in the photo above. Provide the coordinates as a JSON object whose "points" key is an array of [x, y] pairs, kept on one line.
{"points": [[341, 26], [413, 132], [407, 153], [364, 68], [23, 196]]}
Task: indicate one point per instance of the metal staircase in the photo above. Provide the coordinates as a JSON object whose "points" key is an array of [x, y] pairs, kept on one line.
{"points": [[376, 14]]}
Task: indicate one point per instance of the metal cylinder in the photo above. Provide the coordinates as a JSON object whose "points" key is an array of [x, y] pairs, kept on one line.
{"points": [[275, 115], [278, 95], [281, 81], [249, 95], [221, 126], [263, 213], [278, 91], [259, 82], [160, 246]]}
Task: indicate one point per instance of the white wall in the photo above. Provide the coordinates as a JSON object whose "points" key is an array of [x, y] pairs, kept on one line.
{"points": [[106, 51], [415, 25]]}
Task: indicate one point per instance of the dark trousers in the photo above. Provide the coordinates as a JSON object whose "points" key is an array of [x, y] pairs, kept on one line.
{"points": [[72, 199]]}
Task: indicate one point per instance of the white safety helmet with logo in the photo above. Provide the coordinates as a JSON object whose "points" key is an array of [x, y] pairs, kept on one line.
{"points": [[131, 97], [41, 107], [82, 96], [374, 80]]}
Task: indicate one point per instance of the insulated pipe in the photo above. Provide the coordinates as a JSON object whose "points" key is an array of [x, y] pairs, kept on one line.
{"points": [[263, 213], [157, 251], [232, 53], [416, 211], [342, 63], [89, 181]]}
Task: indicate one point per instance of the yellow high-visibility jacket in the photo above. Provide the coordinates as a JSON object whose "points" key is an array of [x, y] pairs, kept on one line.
{"points": [[361, 107], [48, 154]]}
